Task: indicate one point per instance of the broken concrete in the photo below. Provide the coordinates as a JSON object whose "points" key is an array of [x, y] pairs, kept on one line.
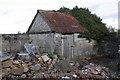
{"points": [[63, 66], [18, 71], [7, 63], [53, 67], [45, 58], [36, 67]]}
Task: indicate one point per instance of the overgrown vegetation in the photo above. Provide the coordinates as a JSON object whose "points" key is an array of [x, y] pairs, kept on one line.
{"points": [[96, 29]]}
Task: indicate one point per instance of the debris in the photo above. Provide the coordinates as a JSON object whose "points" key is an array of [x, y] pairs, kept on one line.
{"points": [[18, 71], [23, 76], [98, 69], [85, 71], [66, 77], [52, 66], [5, 58], [63, 66], [82, 63], [36, 67], [26, 69], [74, 75], [45, 58], [16, 62], [24, 55], [6, 70], [94, 72], [31, 48], [7, 63]]}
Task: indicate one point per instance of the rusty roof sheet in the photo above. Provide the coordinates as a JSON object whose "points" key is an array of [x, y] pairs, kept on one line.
{"points": [[61, 22]]}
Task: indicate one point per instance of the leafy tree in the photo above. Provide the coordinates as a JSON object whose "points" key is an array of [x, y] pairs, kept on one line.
{"points": [[64, 10]]}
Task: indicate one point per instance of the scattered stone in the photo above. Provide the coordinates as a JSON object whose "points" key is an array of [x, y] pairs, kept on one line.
{"points": [[7, 63], [23, 76], [14, 67], [36, 67], [6, 70], [45, 58], [26, 69], [74, 75], [16, 62], [63, 66], [82, 63], [98, 69], [18, 71], [95, 72], [52, 66], [5, 58], [66, 77]]}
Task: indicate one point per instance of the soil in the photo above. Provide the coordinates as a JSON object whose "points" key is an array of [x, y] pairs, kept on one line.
{"points": [[110, 62]]}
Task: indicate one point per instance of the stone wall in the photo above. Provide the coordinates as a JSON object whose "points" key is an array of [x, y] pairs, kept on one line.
{"points": [[44, 41], [39, 25], [50, 43], [85, 48], [13, 42], [81, 46]]}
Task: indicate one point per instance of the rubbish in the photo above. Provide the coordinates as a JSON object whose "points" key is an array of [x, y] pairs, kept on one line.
{"points": [[63, 66], [7, 63], [23, 76], [98, 69], [85, 71], [31, 48], [16, 62], [25, 51], [82, 63], [6, 70], [14, 67], [71, 64], [26, 69], [66, 77], [74, 75], [36, 67], [45, 58], [94, 72], [91, 64], [18, 71], [52, 66], [5, 58], [23, 55]]}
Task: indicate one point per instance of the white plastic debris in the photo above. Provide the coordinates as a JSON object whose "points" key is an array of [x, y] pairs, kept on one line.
{"points": [[74, 75], [31, 48], [66, 77], [85, 71]]}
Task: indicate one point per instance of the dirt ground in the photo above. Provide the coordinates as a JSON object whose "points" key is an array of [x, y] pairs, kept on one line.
{"points": [[110, 62]]}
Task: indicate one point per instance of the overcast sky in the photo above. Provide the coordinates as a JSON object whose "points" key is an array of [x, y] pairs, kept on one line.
{"points": [[16, 15]]}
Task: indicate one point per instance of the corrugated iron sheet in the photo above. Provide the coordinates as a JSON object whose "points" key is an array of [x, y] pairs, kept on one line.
{"points": [[61, 22]]}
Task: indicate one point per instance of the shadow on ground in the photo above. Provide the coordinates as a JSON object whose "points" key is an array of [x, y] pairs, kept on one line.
{"points": [[111, 63]]}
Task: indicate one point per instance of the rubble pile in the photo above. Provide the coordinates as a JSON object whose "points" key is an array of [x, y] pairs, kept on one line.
{"points": [[51, 66]]}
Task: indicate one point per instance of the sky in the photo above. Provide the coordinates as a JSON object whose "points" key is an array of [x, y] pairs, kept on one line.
{"points": [[17, 15]]}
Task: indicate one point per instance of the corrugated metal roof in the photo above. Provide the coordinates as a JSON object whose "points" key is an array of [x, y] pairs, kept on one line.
{"points": [[61, 22]]}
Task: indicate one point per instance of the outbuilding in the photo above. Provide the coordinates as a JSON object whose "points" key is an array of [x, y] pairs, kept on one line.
{"points": [[56, 32]]}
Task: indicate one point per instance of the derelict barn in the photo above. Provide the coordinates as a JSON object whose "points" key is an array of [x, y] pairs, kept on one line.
{"points": [[56, 32]]}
